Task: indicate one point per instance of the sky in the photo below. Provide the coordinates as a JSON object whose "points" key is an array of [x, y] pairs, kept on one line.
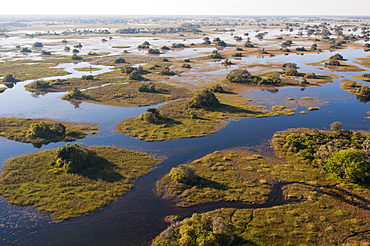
{"points": [[186, 7]]}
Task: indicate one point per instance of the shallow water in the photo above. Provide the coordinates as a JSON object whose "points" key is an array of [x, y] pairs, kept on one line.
{"points": [[138, 216]]}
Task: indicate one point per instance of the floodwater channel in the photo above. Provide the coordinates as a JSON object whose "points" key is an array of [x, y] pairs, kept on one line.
{"points": [[137, 217]]}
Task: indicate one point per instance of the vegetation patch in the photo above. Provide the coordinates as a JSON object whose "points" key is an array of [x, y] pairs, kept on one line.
{"points": [[342, 153], [220, 176], [111, 88], [325, 212], [33, 69], [87, 69], [195, 117], [136, 94], [319, 220], [361, 91], [364, 61], [42, 131], [72, 180], [337, 66]]}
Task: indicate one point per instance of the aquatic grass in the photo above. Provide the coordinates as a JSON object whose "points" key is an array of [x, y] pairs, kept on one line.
{"points": [[18, 129], [87, 69], [222, 175], [30, 180], [182, 122], [33, 69]]}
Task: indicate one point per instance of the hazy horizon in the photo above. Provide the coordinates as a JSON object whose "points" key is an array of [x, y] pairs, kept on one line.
{"points": [[190, 8]]}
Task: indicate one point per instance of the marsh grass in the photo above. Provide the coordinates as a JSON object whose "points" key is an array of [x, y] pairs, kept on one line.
{"points": [[129, 96], [233, 175], [87, 69], [350, 86], [32, 69], [325, 213], [344, 67], [30, 180], [364, 61], [113, 88], [17, 129], [182, 122]]}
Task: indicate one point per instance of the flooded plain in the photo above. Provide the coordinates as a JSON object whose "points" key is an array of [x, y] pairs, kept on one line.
{"points": [[137, 217]]}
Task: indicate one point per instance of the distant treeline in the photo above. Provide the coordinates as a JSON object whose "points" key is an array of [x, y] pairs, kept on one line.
{"points": [[186, 27]]}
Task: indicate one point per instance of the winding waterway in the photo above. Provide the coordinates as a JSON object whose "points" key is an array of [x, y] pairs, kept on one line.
{"points": [[137, 217]]}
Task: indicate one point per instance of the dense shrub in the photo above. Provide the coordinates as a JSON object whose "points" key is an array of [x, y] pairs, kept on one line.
{"points": [[336, 57], [332, 63], [341, 152], [154, 51], [167, 71], [120, 60], [152, 116], [46, 131], [73, 158], [217, 88], [75, 94], [242, 76], [204, 99], [349, 164], [9, 78], [146, 87], [87, 77], [215, 55]]}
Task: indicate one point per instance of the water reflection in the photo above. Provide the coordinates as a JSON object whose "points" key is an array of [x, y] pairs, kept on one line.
{"points": [[138, 216]]}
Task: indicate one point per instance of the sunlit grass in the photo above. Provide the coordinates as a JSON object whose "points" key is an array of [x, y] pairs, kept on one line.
{"points": [[30, 180]]}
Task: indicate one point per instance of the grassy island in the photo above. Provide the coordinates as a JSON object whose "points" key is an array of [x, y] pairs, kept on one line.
{"points": [[324, 195], [233, 175], [72, 180], [112, 88], [43, 131], [337, 67], [361, 91], [340, 153], [194, 117]]}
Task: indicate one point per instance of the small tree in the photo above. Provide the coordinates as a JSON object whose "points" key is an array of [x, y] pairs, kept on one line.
{"points": [[217, 88], [274, 78], [336, 57], [242, 76], [146, 87], [205, 99], [120, 60], [75, 94], [135, 75], [183, 174], [87, 77], [332, 63], [37, 44], [152, 116], [154, 51], [167, 71], [336, 126], [72, 158], [215, 55], [9, 78]]}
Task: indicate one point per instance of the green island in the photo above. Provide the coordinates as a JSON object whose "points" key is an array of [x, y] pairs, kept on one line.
{"points": [[324, 196], [112, 88], [361, 91], [88, 69], [72, 180], [230, 175], [303, 187], [33, 69], [43, 131], [200, 115], [336, 63]]}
